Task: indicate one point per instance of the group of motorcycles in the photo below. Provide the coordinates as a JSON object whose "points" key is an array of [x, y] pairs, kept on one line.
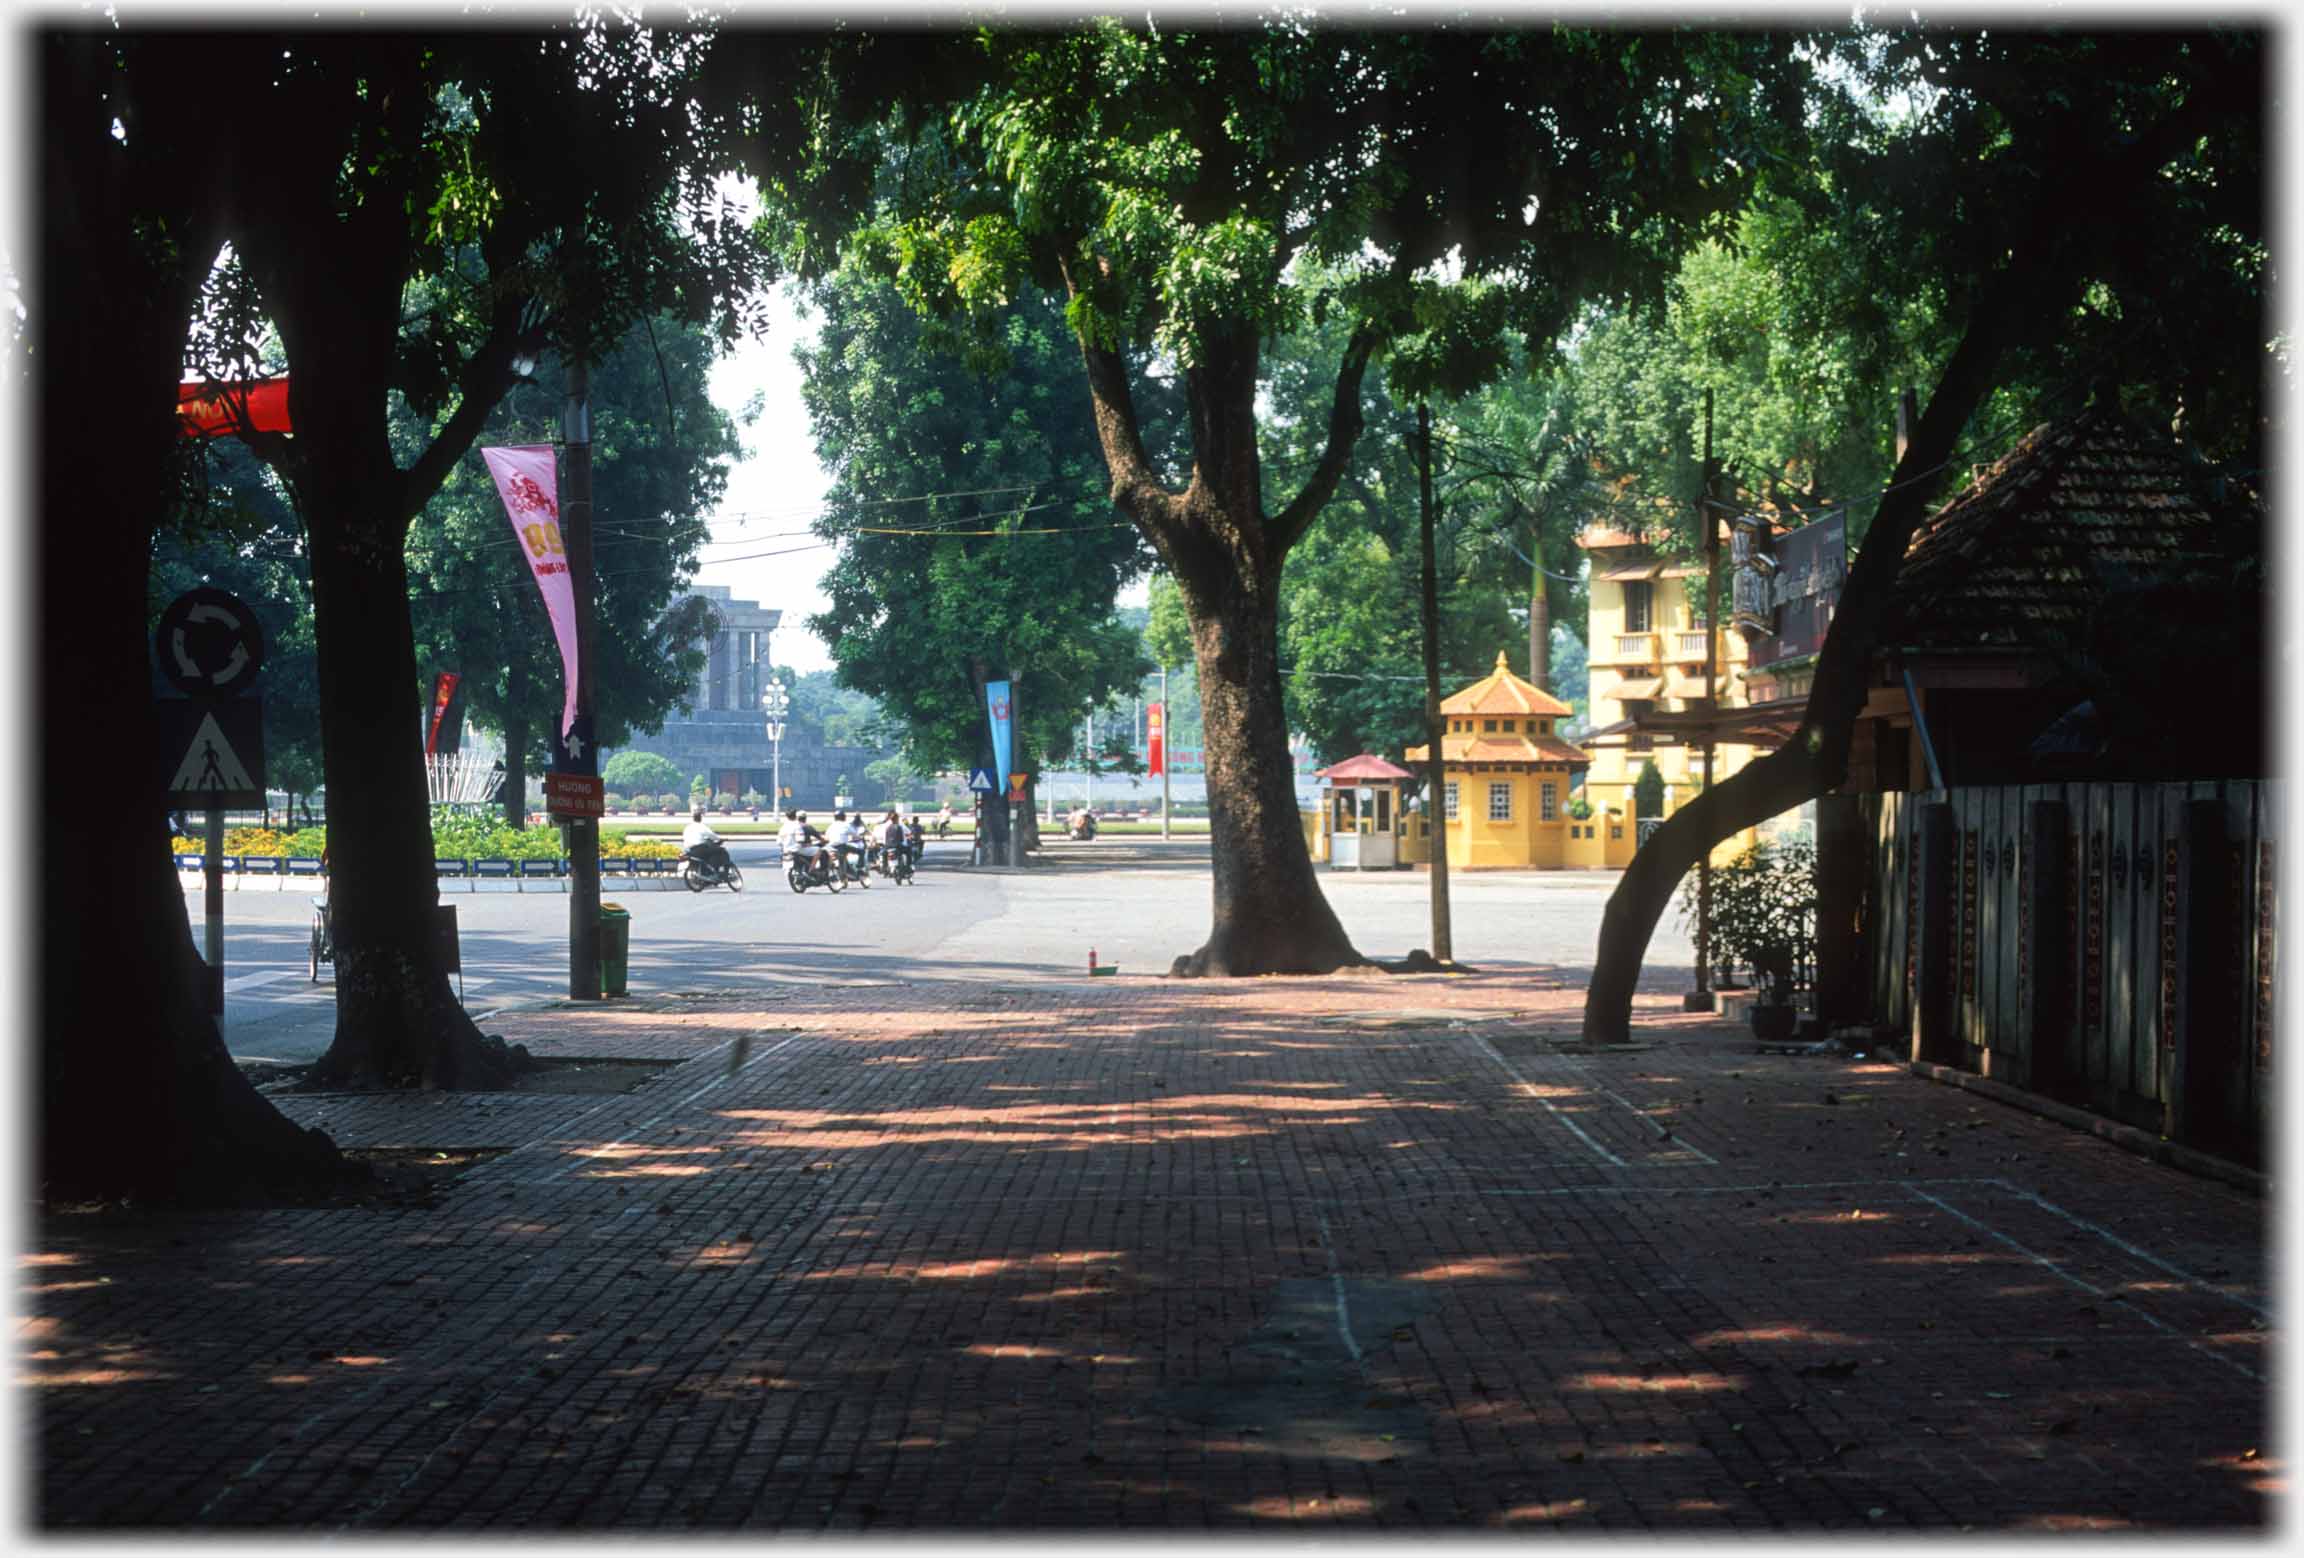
{"points": [[837, 866]]}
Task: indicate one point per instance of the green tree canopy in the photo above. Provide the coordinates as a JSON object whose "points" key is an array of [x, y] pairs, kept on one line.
{"points": [[1169, 182], [973, 532], [639, 773]]}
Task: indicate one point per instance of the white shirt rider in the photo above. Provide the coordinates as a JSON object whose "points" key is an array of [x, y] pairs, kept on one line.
{"points": [[698, 832]]}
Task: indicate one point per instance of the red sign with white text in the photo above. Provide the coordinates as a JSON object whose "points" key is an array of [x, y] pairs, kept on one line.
{"points": [[574, 795]]}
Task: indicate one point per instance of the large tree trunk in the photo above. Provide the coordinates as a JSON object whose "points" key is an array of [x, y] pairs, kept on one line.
{"points": [[1270, 915], [1225, 554], [138, 1096], [397, 1022], [332, 282], [2030, 291]]}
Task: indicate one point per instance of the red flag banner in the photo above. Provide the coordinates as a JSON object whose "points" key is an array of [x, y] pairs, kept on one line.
{"points": [[1157, 729], [202, 414], [529, 484], [443, 693]]}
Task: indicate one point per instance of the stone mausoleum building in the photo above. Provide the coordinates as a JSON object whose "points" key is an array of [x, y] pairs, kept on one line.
{"points": [[721, 733]]}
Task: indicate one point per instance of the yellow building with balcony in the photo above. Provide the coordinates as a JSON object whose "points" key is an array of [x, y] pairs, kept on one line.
{"points": [[1646, 639], [1507, 774]]}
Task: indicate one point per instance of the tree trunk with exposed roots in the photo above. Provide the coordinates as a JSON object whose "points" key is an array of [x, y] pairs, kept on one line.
{"points": [[1225, 554], [2028, 294], [138, 1097], [331, 281]]}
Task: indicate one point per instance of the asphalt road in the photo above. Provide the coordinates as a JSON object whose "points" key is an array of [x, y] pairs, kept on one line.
{"points": [[1137, 903]]}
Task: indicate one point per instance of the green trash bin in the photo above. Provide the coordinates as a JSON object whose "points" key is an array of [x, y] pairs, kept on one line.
{"points": [[615, 948]]}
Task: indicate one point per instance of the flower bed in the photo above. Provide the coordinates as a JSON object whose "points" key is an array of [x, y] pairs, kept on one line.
{"points": [[453, 838]]}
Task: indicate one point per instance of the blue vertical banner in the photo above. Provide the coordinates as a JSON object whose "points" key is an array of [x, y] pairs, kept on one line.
{"points": [[1002, 708]]}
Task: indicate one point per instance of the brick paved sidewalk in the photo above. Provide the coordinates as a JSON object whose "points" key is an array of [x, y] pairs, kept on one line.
{"points": [[1314, 1255]]}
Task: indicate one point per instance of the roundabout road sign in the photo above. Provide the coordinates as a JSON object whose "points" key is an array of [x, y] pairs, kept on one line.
{"points": [[209, 643]]}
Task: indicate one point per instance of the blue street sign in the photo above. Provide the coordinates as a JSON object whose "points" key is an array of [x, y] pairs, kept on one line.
{"points": [[981, 779]]}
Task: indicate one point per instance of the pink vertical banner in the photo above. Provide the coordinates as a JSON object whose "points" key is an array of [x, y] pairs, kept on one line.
{"points": [[529, 484]]}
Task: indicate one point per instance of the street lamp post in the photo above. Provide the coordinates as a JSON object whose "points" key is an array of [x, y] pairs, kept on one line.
{"points": [[775, 703]]}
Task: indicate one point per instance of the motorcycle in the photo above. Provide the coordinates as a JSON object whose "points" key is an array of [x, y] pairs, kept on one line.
{"points": [[701, 874], [854, 864], [895, 864], [813, 868], [1084, 826]]}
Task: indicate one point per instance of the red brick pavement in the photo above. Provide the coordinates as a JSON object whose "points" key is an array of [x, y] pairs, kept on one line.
{"points": [[1152, 1255]]}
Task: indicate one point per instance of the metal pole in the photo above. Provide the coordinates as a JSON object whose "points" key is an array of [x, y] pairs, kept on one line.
{"points": [[583, 832], [1019, 812], [1443, 942], [212, 869], [1166, 725], [1700, 999]]}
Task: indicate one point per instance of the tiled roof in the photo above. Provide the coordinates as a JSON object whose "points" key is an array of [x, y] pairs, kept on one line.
{"points": [[1483, 748], [1366, 766], [1500, 692], [2015, 560]]}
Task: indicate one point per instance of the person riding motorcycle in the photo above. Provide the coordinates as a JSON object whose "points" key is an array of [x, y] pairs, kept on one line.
{"points": [[943, 819], [891, 840], [699, 842], [799, 841], [916, 837], [848, 837]]}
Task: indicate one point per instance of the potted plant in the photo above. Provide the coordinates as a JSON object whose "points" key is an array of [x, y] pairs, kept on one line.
{"points": [[1764, 920]]}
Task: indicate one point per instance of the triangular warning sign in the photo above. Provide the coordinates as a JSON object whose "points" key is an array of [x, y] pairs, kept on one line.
{"points": [[211, 763]]}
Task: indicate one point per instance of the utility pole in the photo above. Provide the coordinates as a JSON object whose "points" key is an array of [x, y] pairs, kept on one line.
{"points": [[1443, 942], [1020, 812], [1164, 745], [583, 832], [1700, 999]]}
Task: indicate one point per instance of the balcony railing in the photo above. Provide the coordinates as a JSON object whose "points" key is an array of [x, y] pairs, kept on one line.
{"points": [[1688, 647], [1640, 647]]}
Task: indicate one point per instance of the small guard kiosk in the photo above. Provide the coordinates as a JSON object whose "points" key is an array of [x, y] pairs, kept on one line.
{"points": [[1363, 806]]}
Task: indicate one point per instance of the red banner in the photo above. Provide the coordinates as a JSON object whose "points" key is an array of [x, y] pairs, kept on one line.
{"points": [[529, 484], [263, 402], [443, 693], [1156, 728]]}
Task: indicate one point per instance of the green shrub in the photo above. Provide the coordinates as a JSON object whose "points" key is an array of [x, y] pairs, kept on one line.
{"points": [[1648, 791], [1763, 912], [724, 801], [630, 773]]}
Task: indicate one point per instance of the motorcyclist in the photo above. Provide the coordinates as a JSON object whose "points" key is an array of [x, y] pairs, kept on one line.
{"points": [[848, 838], [700, 843], [915, 837], [801, 843], [944, 819], [891, 840]]}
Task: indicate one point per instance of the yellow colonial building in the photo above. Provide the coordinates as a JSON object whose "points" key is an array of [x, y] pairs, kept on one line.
{"points": [[1646, 638], [1507, 777]]}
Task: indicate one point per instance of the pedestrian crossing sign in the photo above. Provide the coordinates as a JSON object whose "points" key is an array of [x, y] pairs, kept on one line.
{"points": [[211, 753], [981, 779]]}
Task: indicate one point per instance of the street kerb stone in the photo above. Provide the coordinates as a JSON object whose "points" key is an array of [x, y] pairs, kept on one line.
{"points": [[1144, 1254]]}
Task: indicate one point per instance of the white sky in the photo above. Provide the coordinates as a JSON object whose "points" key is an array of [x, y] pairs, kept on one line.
{"points": [[777, 488]]}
